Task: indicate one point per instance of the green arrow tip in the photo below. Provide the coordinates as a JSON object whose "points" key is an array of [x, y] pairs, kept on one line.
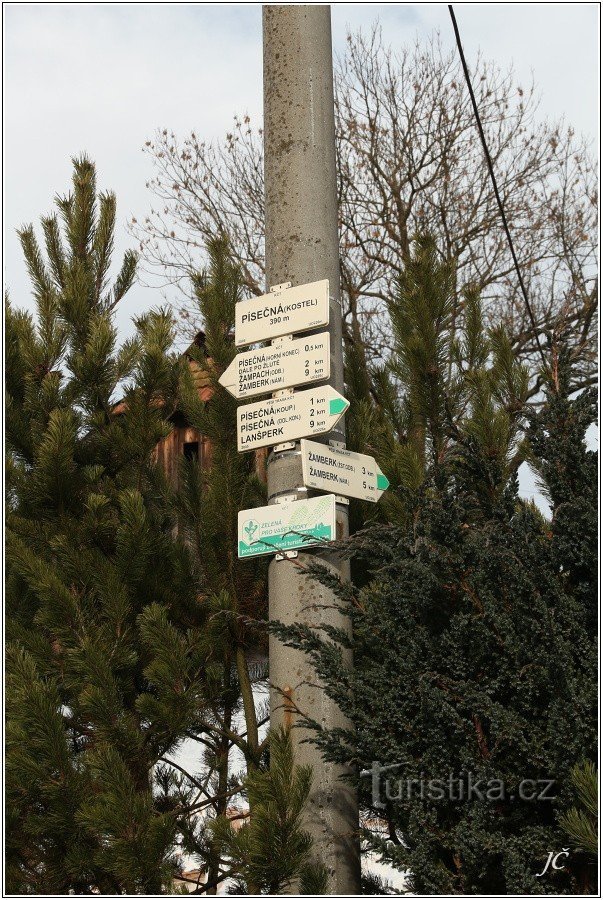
{"points": [[382, 482], [339, 404]]}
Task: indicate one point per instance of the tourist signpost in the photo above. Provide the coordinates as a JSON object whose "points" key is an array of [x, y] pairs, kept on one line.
{"points": [[286, 311], [288, 418], [286, 526], [282, 365], [342, 471], [301, 243]]}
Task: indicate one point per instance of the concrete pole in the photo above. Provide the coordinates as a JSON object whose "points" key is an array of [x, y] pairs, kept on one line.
{"points": [[301, 246]]}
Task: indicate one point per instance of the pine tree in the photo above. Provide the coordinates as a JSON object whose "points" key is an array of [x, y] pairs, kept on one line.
{"points": [[213, 496], [474, 638], [270, 853], [104, 673], [581, 824], [232, 595], [272, 850]]}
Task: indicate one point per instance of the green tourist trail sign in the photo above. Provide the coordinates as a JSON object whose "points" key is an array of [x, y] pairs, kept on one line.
{"points": [[286, 526]]}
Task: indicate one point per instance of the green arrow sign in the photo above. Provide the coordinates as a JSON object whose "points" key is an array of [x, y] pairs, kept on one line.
{"points": [[350, 474], [302, 414]]}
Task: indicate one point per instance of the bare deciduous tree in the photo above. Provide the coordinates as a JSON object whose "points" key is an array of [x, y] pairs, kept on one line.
{"points": [[409, 161]]}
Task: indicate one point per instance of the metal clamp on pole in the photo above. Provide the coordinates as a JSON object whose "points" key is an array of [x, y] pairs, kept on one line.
{"points": [[280, 287]]}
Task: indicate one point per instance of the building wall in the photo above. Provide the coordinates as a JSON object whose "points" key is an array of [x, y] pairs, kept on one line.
{"points": [[171, 450], [181, 442]]}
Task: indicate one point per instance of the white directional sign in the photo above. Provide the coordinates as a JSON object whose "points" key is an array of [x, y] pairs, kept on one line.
{"points": [[299, 308], [286, 526], [282, 365], [342, 471], [289, 418]]}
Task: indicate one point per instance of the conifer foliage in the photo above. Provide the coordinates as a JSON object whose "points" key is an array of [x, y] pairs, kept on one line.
{"points": [[103, 675], [270, 853], [581, 823], [131, 624], [474, 615], [233, 596]]}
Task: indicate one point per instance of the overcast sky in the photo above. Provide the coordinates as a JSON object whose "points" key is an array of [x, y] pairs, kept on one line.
{"points": [[103, 78]]}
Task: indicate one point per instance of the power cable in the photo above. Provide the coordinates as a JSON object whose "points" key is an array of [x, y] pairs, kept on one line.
{"points": [[495, 186]]}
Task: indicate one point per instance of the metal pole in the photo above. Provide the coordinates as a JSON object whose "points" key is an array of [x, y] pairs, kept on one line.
{"points": [[302, 246]]}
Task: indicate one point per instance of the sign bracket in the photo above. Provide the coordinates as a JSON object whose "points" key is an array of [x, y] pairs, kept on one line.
{"points": [[288, 445], [286, 498]]}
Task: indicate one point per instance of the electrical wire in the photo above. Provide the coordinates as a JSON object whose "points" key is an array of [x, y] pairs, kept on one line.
{"points": [[495, 186]]}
